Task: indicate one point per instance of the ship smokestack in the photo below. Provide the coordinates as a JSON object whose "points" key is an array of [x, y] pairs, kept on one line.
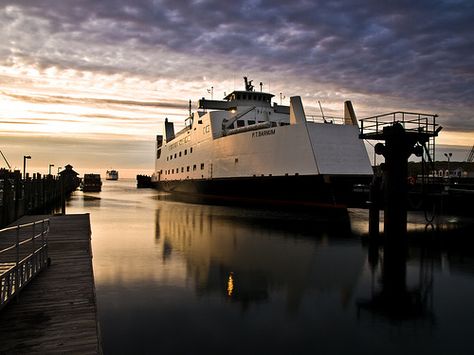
{"points": [[169, 130]]}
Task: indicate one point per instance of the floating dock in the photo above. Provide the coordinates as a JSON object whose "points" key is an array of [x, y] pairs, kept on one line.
{"points": [[57, 311]]}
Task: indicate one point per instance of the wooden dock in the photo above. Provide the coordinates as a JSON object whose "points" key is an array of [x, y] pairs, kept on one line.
{"points": [[57, 311]]}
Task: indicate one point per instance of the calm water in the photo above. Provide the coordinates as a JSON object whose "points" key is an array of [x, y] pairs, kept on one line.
{"points": [[176, 278]]}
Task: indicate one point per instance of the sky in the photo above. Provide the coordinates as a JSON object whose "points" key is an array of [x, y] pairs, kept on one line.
{"points": [[90, 82]]}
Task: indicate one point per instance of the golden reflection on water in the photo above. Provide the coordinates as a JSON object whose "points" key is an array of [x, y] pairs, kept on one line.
{"points": [[230, 285]]}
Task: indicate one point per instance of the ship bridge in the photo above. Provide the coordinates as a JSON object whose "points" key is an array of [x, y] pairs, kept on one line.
{"points": [[247, 97]]}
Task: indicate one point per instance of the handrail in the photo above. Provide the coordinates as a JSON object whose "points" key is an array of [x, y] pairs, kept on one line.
{"points": [[422, 123], [24, 225], [400, 112], [27, 264], [325, 119]]}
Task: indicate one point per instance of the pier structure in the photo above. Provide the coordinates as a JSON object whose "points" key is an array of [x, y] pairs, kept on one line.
{"points": [[35, 194], [404, 134], [57, 311]]}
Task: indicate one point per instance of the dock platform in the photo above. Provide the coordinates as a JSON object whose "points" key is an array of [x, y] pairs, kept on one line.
{"points": [[57, 311]]}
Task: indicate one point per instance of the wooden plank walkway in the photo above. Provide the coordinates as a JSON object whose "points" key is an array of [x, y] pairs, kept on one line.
{"points": [[57, 311]]}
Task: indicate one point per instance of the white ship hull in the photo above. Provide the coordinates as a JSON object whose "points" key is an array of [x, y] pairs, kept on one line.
{"points": [[274, 155]]}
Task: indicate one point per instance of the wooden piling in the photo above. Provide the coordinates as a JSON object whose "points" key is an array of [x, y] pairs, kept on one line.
{"points": [[57, 311]]}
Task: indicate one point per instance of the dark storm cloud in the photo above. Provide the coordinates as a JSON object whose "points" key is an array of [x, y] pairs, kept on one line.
{"points": [[414, 51]]}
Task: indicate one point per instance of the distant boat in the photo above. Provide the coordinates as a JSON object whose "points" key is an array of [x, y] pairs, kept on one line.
{"points": [[111, 175], [91, 183]]}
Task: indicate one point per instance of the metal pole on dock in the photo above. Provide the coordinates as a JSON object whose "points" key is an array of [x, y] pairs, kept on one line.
{"points": [[63, 196]]}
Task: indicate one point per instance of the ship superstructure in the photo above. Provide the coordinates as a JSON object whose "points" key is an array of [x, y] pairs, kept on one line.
{"points": [[246, 148], [111, 175]]}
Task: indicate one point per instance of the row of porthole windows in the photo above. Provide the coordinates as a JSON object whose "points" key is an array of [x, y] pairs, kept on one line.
{"points": [[178, 170], [177, 155], [243, 123]]}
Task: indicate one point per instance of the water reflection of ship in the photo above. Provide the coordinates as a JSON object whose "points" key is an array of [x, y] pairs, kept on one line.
{"points": [[246, 257]]}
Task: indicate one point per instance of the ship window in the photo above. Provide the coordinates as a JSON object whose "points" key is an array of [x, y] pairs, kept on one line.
{"points": [[254, 97], [200, 122], [202, 166], [171, 157], [232, 126], [191, 150], [175, 155], [158, 154], [240, 123], [172, 171], [185, 152], [179, 153], [194, 167], [182, 169], [250, 122], [187, 169], [238, 96], [274, 124]]}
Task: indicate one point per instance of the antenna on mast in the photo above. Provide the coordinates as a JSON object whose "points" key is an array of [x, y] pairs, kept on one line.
{"points": [[6, 161], [189, 108], [322, 113]]}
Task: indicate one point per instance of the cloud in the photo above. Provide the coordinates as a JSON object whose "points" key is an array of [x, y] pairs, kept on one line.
{"points": [[406, 54], [54, 99]]}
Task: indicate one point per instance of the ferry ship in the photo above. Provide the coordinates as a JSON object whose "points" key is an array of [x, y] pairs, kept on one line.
{"points": [[244, 148], [111, 175]]}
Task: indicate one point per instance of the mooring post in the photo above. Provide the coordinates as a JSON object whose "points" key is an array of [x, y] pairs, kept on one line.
{"points": [[374, 206], [398, 147]]}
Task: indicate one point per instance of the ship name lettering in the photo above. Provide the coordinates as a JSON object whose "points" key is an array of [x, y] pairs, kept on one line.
{"points": [[266, 132], [180, 142]]}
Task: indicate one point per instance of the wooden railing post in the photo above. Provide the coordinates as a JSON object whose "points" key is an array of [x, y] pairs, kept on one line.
{"points": [[17, 262], [34, 249]]}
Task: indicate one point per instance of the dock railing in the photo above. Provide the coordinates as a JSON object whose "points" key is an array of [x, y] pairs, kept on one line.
{"points": [[372, 127], [23, 254], [423, 125]]}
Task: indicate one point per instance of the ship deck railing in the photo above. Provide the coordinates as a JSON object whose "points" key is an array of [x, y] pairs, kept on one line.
{"points": [[23, 255], [325, 119], [413, 122]]}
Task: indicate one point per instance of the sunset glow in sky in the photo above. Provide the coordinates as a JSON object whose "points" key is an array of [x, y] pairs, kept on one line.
{"points": [[90, 82]]}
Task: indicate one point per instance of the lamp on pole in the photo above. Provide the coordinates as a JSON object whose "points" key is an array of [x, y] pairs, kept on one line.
{"points": [[25, 157], [50, 165], [448, 155]]}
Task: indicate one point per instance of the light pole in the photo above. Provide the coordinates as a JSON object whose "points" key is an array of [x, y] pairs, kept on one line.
{"points": [[59, 168], [448, 155], [25, 157], [50, 165]]}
